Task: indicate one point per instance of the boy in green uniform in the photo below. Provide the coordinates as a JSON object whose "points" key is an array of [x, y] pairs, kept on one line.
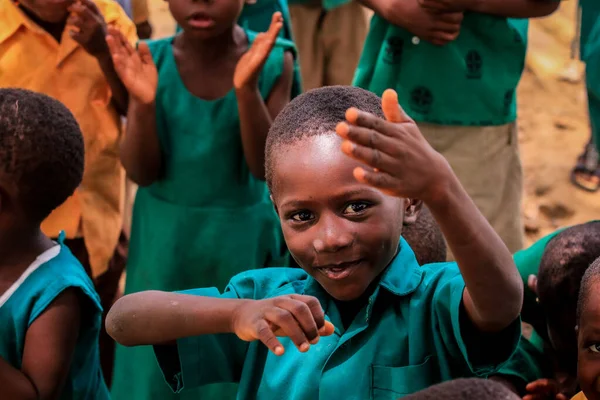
{"points": [[361, 309], [552, 269], [459, 88], [330, 35]]}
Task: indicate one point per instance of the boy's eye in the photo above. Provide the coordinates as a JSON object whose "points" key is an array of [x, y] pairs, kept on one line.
{"points": [[302, 216], [355, 208], [595, 348]]}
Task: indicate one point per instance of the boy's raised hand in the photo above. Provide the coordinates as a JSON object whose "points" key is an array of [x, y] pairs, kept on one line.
{"points": [[251, 63], [298, 317], [401, 161], [135, 67], [88, 27]]}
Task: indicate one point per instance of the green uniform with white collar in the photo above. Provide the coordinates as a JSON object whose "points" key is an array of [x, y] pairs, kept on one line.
{"points": [[412, 333]]}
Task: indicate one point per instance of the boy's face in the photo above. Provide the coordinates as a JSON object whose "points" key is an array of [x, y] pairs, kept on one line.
{"points": [[588, 344], [341, 232], [206, 19], [52, 11]]}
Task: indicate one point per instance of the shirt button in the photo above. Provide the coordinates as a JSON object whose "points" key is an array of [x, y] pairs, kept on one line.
{"points": [[416, 40]]}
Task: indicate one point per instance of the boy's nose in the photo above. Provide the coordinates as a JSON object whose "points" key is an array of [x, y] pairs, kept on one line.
{"points": [[333, 237]]}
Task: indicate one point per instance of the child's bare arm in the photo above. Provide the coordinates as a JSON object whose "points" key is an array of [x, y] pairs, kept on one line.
{"points": [[90, 31], [140, 150], [49, 347], [154, 317], [503, 8], [407, 166], [256, 116]]}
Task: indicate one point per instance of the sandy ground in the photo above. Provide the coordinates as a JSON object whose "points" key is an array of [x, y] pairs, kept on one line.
{"points": [[553, 124]]}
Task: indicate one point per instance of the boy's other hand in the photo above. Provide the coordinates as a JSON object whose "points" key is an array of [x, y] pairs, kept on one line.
{"points": [[135, 67], [251, 63], [300, 318], [445, 6], [434, 27], [402, 163], [89, 27], [544, 389]]}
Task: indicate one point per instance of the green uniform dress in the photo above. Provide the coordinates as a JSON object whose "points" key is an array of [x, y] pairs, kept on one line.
{"points": [[53, 272], [412, 333], [590, 52], [471, 81], [206, 220]]}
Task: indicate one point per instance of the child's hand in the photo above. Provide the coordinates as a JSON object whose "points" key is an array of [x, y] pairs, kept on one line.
{"points": [[300, 318], [89, 28], [135, 68], [444, 6], [251, 63], [544, 389], [434, 27], [403, 163]]}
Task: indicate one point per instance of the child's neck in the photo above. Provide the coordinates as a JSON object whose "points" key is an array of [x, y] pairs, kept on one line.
{"points": [[19, 249], [54, 29], [214, 48]]}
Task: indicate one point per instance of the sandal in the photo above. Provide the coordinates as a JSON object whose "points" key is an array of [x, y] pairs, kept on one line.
{"points": [[586, 174]]}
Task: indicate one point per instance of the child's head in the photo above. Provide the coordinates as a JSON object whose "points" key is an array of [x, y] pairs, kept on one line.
{"points": [[565, 260], [426, 239], [588, 332], [206, 19], [465, 389], [341, 232], [51, 11], [41, 157]]}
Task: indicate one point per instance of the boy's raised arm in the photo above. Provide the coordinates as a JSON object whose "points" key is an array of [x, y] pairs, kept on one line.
{"points": [[503, 8], [407, 166]]}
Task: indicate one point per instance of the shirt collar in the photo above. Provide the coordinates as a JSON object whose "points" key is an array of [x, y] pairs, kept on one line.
{"points": [[402, 277]]}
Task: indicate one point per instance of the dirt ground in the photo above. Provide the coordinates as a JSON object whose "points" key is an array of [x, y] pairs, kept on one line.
{"points": [[553, 124]]}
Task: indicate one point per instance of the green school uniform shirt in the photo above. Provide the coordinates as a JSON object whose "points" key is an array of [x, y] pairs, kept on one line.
{"points": [[590, 54], [53, 272], [471, 81], [207, 219], [412, 333]]}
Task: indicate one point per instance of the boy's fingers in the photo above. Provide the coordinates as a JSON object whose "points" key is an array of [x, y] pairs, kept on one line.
{"points": [[145, 54], [290, 327], [327, 330], [276, 25], [367, 137], [303, 315], [314, 307], [372, 157], [367, 120], [391, 108], [379, 180], [91, 5], [268, 338]]}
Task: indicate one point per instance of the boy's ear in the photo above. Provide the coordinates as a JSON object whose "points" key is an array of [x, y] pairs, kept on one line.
{"points": [[412, 208]]}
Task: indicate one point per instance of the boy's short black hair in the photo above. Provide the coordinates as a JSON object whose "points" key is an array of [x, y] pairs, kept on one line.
{"points": [[592, 274], [316, 112], [41, 150], [465, 389], [426, 239], [566, 258]]}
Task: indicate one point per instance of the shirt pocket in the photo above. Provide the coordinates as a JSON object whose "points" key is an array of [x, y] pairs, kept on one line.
{"points": [[393, 382]]}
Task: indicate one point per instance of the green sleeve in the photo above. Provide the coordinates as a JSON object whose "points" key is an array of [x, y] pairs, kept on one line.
{"points": [[483, 353], [527, 365]]}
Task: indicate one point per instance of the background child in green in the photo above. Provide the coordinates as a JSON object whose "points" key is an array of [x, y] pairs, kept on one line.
{"points": [[201, 105], [552, 268], [51, 315], [399, 327], [588, 339], [456, 66], [329, 35]]}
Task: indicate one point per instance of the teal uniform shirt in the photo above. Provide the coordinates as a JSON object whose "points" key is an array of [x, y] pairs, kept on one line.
{"points": [[53, 272], [412, 333], [471, 81], [590, 52]]}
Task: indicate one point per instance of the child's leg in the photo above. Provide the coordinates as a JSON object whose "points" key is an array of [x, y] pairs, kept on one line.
{"points": [[307, 22], [344, 32], [497, 188]]}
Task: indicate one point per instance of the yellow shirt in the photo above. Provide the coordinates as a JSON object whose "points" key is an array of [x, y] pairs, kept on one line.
{"points": [[579, 396], [31, 58]]}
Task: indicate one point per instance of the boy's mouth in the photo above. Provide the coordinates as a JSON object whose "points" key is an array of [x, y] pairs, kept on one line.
{"points": [[339, 271], [200, 20]]}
